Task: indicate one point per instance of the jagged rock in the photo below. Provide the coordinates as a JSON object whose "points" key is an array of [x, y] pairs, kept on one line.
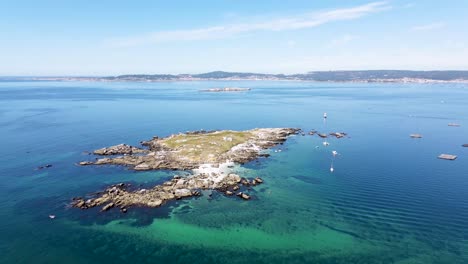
{"points": [[245, 182], [322, 135], [107, 206], [245, 196], [80, 204], [155, 203], [180, 183], [142, 166], [338, 134], [119, 150], [259, 180], [229, 193], [235, 188], [183, 193]]}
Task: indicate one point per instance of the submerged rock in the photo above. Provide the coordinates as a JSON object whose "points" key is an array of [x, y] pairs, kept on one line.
{"points": [[259, 180], [243, 195], [44, 167]]}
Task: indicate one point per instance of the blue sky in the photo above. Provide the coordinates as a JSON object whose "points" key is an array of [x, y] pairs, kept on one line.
{"points": [[120, 37]]}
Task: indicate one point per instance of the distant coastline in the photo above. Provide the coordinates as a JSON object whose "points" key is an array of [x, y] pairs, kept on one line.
{"points": [[365, 76]]}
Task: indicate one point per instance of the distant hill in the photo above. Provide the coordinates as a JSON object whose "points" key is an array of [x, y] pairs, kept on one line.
{"points": [[332, 76], [321, 76], [386, 74]]}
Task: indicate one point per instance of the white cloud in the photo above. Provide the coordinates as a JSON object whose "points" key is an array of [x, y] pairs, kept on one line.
{"points": [[282, 24], [429, 27]]}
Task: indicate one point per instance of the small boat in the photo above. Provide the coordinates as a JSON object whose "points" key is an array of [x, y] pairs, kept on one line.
{"points": [[324, 115], [453, 124], [326, 143], [415, 135], [331, 169], [52, 216], [334, 152]]}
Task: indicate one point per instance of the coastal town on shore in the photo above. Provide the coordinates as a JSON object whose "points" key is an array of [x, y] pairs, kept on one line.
{"points": [[371, 76]]}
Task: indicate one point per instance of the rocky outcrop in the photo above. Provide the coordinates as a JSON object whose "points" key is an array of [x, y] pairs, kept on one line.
{"points": [[324, 135], [120, 149], [177, 188], [338, 134]]}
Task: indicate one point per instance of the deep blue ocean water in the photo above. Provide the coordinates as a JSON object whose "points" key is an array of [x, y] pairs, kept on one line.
{"points": [[389, 200]]}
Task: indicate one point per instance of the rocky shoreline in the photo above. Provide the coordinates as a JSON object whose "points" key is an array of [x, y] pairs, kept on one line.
{"points": [[209, 154], [177, 188], [190, 150]]}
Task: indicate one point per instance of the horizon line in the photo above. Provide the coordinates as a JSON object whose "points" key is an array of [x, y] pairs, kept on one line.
{"points": [[265, 73]]}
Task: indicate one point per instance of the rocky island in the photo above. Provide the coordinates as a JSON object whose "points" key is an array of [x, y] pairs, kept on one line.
{"points": [[226, 89], [209, 154]]}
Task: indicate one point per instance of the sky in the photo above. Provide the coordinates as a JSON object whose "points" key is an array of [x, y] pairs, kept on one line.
{"points": [[76, 38]]}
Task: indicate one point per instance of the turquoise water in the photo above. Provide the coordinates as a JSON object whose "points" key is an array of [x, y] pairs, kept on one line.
{"points": [[389, 200]]}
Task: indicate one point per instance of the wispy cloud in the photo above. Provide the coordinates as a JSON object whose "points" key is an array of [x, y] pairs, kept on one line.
{"points": [[282, 24], [428, 27]]}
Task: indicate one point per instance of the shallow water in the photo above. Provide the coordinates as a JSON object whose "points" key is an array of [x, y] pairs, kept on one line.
{"points": [[389, 200]]}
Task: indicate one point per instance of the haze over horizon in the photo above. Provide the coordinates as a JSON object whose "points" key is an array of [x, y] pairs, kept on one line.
{"points": [[117, 37]]}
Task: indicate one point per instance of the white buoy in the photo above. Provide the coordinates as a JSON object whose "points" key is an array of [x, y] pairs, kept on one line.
{"points": [[324, 115]]}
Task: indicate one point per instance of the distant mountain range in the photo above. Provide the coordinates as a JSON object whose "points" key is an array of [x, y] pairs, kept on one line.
{"points": [[323, 76]]}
